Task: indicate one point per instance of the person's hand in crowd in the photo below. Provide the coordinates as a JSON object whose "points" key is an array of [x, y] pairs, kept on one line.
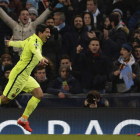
{"points": [[117, 72], [91, 34], [79, 49], [53, 3], [90, 105], [44, 61], [105, 34], [61, 95], [66, 87], [133, 75], [7, 41]]}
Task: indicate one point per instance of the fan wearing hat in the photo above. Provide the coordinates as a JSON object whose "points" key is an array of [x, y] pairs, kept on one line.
{"points": [[33, 14], [4, 2], [126, 58], [64, 84]]}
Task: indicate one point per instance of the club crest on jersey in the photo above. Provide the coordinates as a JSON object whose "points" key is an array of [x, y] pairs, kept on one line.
{"points": [[36, 45]]}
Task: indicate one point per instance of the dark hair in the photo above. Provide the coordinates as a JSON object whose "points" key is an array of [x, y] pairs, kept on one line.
{"points": [[24, 9], [95, 93], [114, 18], [94, 39], [136, 31], [49, 17], [41, 28], [94, 1], [65, 56], [137, 46], [92, 19], [39, 67]]}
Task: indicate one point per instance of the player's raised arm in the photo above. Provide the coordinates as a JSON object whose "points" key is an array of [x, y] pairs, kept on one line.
{"points": [[12, 43]]}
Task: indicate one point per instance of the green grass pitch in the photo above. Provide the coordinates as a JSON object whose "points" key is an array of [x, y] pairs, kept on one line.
{"points": [[69, 137]]}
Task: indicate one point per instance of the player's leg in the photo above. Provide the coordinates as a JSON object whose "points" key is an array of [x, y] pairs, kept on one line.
{"points": [[33, 102], [33, 87], [12, 89]]}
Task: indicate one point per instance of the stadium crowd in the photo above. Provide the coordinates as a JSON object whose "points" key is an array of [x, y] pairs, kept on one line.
{"points": [[91, 42]]}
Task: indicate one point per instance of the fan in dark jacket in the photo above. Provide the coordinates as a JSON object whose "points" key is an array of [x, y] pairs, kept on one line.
{"points": [[113, 40], [64, 84], [94, 67]]}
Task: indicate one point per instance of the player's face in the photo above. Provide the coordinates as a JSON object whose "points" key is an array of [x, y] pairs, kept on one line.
{"points": [[6, 61], [24, 17], [94, 46], [124, 53], [45, 35], [40, 75], [65, 62], [64, 73]]}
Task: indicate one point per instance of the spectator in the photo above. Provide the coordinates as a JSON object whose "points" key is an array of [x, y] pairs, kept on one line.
{"points": [[107, 25], [94, 100], [5, 60], [113, 40], [94, 66], [59, 22], [133, 21], [88, 19], [78, 35], [136, 53], [126, 58], [52, 47], [92, 7], [119, 12], [135, 42], [31, 3], [15, 6], [40, 76], [136, 34], [64, 84], [24, 28], [5, 77], [65, 60], [33, 14]]}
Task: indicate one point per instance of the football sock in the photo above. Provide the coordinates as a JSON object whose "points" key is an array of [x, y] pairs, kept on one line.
{"points": [[32, 104]]}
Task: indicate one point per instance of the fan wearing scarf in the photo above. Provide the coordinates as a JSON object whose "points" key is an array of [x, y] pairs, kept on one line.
{"points": [[126, 58], [93, 65]]}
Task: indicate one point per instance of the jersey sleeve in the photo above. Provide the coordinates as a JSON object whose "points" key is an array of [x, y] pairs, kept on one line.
{"points": [[35, 49], [17, 44]]}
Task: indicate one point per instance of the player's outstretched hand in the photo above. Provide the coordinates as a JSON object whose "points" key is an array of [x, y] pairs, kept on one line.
{"points": [[7, 41], [44, 61]]}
